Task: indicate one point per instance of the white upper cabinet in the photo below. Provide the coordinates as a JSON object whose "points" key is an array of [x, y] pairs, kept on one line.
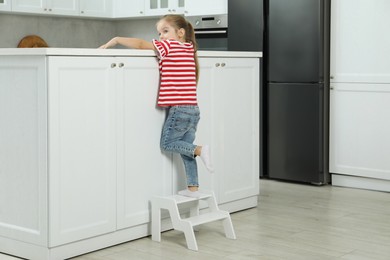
{"points": [[55, 7], [5, 5], [29, 6], [162, 7], [186, 7], [88, 8], [204, 7], [96, 8], [126, 8], [360, 41], [116, 8], [69, 7]]}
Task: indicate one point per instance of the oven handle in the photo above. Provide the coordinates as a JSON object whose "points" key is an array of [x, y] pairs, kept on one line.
{"points": [[211, 32]]}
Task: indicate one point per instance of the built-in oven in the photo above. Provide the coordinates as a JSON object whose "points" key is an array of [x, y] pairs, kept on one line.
{"points": [[211, 32]]}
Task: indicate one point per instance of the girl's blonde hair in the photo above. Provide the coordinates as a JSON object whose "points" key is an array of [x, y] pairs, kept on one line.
{"points": [[179, 22]]}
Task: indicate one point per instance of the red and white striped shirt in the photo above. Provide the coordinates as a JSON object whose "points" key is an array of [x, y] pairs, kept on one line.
{"points": [[177, 73]]}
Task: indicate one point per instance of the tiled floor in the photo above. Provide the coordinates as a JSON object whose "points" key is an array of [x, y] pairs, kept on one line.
{"points": [[292, 221]]}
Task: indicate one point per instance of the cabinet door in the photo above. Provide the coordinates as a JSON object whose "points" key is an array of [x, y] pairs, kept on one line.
{"points": [[197, 7], [125, 8], [82, 150], [59, 7], [231, 109], [63, 7], [5, 5], [359, 130], [29, 6], [162, 7], [143, 170], [359, 57], [96, 8], [23, 149]]}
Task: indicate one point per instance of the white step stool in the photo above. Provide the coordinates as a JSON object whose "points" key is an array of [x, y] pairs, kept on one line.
{"points": [[187, 225]]}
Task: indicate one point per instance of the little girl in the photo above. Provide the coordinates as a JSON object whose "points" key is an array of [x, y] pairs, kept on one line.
{"points": [[179, 70]]}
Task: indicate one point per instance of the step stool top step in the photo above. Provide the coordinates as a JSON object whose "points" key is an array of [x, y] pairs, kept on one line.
{"points": [[178, 199], [182, 199]]}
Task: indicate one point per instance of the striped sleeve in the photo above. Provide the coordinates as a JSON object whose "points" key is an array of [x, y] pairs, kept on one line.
{"points": [[162, 48]]}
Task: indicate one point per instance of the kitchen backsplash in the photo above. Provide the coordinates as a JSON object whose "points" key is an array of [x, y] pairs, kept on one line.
{"points": [[64, 32]]}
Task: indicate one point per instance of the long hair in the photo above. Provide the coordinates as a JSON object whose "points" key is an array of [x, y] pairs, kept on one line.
{"points": [[178, 22]]}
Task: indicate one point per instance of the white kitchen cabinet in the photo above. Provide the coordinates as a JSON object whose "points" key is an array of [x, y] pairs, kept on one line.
{"points": [[96, 8], [163, 7], [125, 8], [87, 8], [99, 123], [79, 145], [82, 150], [359, 129], [52, 7], [23, 151], [360, 82], [143, 170], [30, 6], [228, 92], [360, 41], [205, 7], [5, 5]]}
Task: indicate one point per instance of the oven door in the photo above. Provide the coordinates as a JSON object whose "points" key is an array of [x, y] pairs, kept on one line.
{"points": [[212, 39]]}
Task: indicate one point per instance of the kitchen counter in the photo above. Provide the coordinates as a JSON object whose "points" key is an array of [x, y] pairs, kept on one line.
{"points": [[115, 52], [80, 159]]}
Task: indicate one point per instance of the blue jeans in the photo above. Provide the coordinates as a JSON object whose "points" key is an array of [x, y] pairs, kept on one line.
{"points": [[178, 135]]}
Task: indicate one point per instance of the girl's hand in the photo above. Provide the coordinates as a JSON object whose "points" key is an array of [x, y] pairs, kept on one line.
{"points": [[109, 44]]}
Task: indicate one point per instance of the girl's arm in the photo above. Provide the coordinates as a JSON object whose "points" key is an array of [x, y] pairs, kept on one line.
{"points": [[133, 43]]}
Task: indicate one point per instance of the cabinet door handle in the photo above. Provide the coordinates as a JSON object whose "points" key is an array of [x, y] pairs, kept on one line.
{"points": [[113, 65], [223, 64], [121, 65], [217, 64]]}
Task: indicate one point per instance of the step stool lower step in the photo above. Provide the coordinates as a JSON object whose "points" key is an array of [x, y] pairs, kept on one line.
{"points": [[207, 217]]}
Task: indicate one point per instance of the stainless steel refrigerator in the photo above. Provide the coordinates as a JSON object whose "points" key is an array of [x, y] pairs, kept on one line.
{"points": [[295, 103]]}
